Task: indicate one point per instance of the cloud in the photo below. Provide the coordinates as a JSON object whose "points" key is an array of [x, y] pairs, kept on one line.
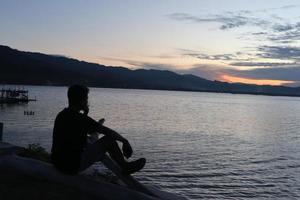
{"points": [[149, 65], [279, 73], [284, 27], [233, 57], [212, 57], [228, 20], [200, 55], [143, 64], [289, 6], [283, 32], [285, 7], [282, 70], [287, 56], [207, 71], [248, 58], [279, 52], [280, 60], [275, 28], [259, 33], [262, 64], [287, 71], [285, 37]]}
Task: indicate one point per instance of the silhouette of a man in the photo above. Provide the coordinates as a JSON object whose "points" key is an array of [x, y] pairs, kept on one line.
{"points": [[70, 151]]}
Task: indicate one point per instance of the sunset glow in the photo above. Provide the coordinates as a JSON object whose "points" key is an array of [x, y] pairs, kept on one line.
{"points": [[234, 79]]}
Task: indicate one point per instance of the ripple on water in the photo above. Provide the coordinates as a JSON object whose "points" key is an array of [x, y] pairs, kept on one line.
{"points": [[201, 145]]}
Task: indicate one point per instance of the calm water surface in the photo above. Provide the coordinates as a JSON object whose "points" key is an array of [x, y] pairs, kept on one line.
{"points": [[201, 145]]}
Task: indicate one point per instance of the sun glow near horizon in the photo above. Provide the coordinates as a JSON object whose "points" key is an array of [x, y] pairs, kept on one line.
{"points": [[235, 79]]}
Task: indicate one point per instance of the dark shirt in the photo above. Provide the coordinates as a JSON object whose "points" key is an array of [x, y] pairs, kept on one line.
{"points": [[69, 139]]}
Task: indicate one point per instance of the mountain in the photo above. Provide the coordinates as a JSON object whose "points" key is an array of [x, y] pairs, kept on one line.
{"points": [[19, 67]]}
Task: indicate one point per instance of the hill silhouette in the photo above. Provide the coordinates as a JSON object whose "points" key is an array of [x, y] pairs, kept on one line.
{"points": [[19, 67]]}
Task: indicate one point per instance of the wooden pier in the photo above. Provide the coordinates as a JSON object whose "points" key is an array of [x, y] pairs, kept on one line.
{"points": [[16, 95]]}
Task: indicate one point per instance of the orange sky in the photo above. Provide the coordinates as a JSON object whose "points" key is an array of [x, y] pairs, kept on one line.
{"points": [[234, 79]]}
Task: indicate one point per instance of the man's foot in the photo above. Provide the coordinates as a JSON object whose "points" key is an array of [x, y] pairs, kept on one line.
{"points": [[134, 166], [101, 121]]}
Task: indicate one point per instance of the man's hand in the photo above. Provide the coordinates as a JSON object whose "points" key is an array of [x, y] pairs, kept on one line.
{"points": [[86, 110], [127, 150]]}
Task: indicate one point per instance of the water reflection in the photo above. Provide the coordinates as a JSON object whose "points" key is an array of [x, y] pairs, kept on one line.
{"points": [[203, 145]]}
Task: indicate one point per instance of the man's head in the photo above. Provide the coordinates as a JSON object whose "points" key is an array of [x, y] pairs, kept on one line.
{"points": [[78, 96]]}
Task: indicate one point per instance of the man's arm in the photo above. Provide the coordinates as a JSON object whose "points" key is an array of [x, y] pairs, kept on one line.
{"points": [[127, 150], [111, 133]]}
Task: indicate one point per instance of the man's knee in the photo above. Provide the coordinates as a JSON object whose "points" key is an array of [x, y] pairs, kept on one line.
{"points": [[107, 142]]}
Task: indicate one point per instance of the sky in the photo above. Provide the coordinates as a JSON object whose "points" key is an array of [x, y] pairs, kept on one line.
{"points": [[254, 42]]}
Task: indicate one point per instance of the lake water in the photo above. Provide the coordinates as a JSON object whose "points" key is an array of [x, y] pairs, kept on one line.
{"points": [[201, 145]]}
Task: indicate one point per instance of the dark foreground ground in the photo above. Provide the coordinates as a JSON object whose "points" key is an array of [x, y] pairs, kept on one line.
{"points": [[18, 187]]}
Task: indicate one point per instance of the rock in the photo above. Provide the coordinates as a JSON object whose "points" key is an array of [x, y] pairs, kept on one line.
{"points": [[6, 149], [40, 171], [18, 171]]}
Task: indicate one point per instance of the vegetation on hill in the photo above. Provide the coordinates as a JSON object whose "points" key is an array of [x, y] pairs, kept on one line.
{"points": [[19, 67]]}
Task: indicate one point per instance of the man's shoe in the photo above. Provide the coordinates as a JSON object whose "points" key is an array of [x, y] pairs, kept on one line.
{"points": [[134, 166]]}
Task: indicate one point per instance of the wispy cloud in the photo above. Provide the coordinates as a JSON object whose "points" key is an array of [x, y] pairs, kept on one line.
{"points": [[136, 64], [284, 27], [227, 21], [274, 28], [288, 6], [288, 70], [285, 34], [275, 71], [262, 64], [208, 71], [279, 60], [236, 56], [222, 57], [279, 73], [233, 19], [151, 65], [279, 52], [260, 33], [287, 54]]}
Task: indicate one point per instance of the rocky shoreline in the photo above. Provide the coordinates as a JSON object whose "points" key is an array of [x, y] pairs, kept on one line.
{"points": [[28, 178]]}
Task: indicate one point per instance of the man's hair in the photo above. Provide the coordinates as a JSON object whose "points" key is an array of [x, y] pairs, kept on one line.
{"points": [[77, 94]]}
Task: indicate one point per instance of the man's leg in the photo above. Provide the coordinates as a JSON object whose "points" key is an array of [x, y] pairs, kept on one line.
{"points": [[112, 147], [95, 152]]}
